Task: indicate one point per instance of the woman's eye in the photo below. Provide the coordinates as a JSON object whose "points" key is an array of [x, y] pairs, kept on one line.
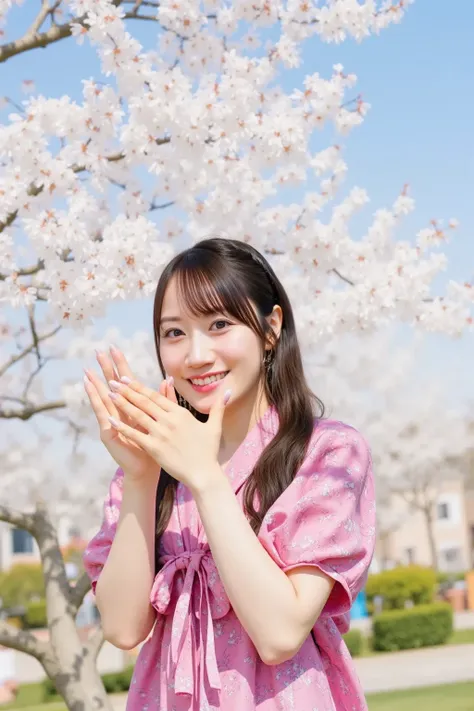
{"points": [[221, 324], [172, 332]]}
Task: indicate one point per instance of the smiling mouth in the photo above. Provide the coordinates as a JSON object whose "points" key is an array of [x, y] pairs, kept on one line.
{"points": [[208, 381]]}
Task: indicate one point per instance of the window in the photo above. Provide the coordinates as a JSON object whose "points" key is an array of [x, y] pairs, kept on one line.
{"points": [[451, 555], [74, 532], [443, 511], [22, 541]]}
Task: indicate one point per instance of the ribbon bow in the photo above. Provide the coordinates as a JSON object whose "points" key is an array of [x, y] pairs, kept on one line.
{"points": [[200, 598]]}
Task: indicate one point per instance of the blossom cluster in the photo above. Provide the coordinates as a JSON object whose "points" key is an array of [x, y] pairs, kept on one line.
{"points": [[197, 138]]}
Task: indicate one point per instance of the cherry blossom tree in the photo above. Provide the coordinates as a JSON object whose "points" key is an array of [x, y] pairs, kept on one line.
{"points": [[420, 443], [168, 145], [45, 486], [420, 447]]}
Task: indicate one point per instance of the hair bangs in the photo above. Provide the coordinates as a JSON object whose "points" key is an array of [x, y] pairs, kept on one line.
{"points": [[206, 289]]}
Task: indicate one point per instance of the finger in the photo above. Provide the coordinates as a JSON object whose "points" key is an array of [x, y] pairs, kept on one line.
{"points": [[107, 365], [102, 390], [100, 410], [145, 418], [132, 389], [170, 391], [121, 364], [216, 413], [138, 438]]}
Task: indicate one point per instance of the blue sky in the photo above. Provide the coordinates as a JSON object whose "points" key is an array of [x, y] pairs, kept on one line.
{"points": [[419, 79]]}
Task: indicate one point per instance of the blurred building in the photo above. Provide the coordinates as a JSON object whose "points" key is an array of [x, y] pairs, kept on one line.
{"points": [[452, 528], [18, 546]]}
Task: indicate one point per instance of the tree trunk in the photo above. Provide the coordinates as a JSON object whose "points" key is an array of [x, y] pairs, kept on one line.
{"points": [[82, 688], [428, 513], [68, 661]]}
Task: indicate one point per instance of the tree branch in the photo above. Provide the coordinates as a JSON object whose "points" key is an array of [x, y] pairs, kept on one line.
{"points": [[31, 410], [17, 518], [14, 359], [40, 18], [33, 39], [34, 333], [35, 190], [79, 591], [27, 271], [23, 641], [32, 191], [163, 206], [341, 276], [95, 642]]}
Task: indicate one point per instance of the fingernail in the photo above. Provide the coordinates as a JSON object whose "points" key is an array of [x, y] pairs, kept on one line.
{"points": [[86, 380], [227, 395], [113, 396], [114, 422], [125, 379], [114, 385], [88, 373], [113, 349], [171, 381], [98, 353]]}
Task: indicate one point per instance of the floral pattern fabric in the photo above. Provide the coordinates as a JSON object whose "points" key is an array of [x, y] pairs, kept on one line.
{"points": [[199, 657]]}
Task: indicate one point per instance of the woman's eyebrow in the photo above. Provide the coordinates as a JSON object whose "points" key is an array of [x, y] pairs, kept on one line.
{"points": [[166, 319]]}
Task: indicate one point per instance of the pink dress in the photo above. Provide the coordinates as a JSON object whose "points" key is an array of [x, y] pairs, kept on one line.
{"points": [[199, 657]]}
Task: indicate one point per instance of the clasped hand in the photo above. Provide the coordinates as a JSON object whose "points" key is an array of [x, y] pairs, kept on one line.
{"points": [[154, 428], [176, 440]]}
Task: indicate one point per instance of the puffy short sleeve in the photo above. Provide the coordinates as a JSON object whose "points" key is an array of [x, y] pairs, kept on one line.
{"points": [[97, 550], [326, 517]]}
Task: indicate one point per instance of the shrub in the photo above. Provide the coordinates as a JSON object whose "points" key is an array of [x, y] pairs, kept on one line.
{"points": [[354, 640], [114, 683], [423, 626], [49, 690], [399, 585], [22, 583], [449, 578], [36, 615], [126, 676]]}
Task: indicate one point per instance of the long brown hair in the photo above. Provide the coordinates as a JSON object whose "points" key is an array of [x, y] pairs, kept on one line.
{"points": [[224, 275]]}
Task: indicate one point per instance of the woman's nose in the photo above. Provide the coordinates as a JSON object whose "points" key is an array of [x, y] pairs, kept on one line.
{"points": [[199, 352]]}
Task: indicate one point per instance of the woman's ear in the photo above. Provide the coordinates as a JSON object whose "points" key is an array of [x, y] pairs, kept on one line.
{"points": [[275, 321]]}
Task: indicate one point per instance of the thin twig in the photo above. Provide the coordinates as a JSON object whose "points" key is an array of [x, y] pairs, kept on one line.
{"points": [[341, 276], [30, 410], [14, 359]]}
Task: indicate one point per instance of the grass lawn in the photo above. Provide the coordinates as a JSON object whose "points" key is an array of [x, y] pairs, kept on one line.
{"points": [[451, 697], [30, 697], [462, 637], [51, 706]]}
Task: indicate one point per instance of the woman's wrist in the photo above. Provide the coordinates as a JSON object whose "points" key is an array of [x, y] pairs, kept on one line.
{"points": [[145, 484], [208, 482]]}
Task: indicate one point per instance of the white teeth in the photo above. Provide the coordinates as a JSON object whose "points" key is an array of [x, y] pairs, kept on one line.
{"points": [[206, 381]]}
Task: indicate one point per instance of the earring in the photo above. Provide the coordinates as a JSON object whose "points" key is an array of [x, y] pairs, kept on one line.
{"points": [[268, 359]]}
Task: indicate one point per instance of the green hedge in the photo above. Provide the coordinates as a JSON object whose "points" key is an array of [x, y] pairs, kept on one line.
{"points": [[423, 626], [398, 585], [118, 681], [114, 683], [22, 583], [443, 578], [354, 641], [35, 615]]}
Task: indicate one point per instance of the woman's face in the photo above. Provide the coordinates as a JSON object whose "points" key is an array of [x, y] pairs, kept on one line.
{"points": [[207, 355]]}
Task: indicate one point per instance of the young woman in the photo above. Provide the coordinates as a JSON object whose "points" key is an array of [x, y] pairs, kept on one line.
{"points": [[239, 526]]}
